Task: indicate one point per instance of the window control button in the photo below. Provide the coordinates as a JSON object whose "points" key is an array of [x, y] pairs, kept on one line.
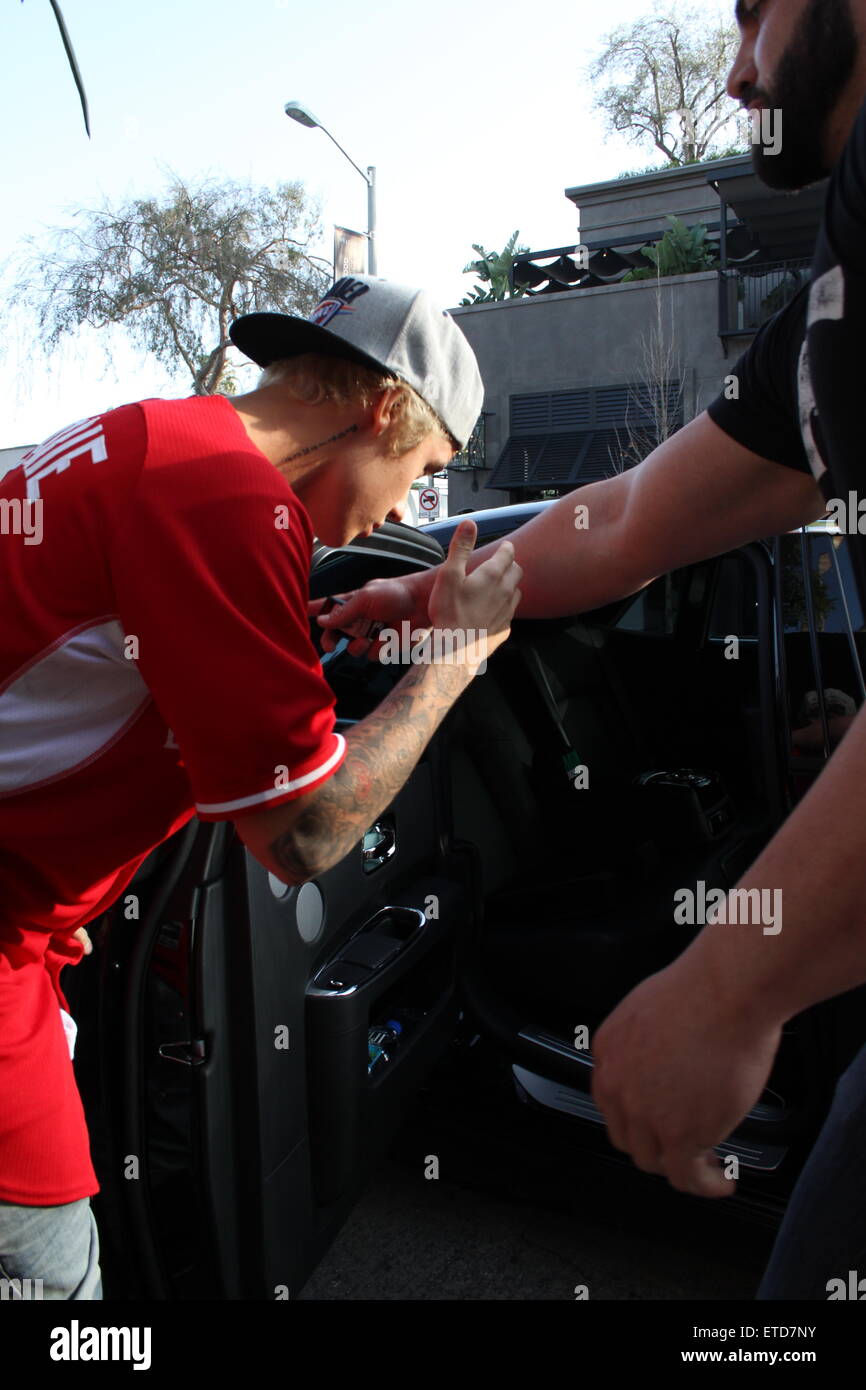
{"points": [[371, 950]]}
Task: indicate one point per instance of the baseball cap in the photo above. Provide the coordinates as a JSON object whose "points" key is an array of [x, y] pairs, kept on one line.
{"points": [[392, 328]]}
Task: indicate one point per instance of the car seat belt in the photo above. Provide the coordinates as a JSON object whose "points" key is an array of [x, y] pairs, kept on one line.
{"points": [[571, 759]]}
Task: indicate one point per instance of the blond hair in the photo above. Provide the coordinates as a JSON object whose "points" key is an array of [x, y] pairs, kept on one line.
{"points": [[314, 378]]}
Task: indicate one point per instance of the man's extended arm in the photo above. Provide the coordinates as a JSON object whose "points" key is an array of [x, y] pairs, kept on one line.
{"points": [[698, 494]]}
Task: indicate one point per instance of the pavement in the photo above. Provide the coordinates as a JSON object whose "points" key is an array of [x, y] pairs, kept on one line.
{"points": [[414, 1238], [508, 1218]]}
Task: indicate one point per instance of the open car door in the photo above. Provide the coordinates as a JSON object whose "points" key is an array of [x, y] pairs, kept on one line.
{"points": [[246, 1047], [610, 772]]}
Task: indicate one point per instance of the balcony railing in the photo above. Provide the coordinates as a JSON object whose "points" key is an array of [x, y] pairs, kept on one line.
{"points": [[474, 452], [750, 294]]}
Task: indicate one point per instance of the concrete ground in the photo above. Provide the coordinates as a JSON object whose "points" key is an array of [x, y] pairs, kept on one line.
{"points": [[413, 1238], [513, 1217]]}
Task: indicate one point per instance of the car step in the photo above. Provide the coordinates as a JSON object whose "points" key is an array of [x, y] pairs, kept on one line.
{"points": [[770, 1109], [553, 1095]]}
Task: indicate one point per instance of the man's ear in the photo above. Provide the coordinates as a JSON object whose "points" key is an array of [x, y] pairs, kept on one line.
{"points": [[383, 410]]}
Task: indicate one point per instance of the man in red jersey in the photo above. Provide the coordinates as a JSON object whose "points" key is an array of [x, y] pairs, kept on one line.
{"points": [[155, 663]]}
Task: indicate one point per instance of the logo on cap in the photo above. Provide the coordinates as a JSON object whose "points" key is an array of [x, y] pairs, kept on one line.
{"points": [[338, 300]]}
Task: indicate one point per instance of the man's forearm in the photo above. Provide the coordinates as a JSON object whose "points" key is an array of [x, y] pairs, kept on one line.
{"points": [[817, 861], [573, 560], [698, 494], [382, 751]]}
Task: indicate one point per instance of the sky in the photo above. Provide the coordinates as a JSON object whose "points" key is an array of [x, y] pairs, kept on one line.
{"points": [[477, 117]]}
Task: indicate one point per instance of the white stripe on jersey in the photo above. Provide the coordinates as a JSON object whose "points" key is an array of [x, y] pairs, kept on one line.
{"points": [[67, 706], [262, 798]]}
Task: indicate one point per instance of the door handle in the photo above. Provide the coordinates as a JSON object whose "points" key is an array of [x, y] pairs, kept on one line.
{"points": [[380, 842], [189, 1054]]}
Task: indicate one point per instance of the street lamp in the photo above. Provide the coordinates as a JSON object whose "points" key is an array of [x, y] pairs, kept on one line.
{"points": [[304, 116]]}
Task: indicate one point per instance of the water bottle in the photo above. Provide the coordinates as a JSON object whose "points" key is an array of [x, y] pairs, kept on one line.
{"points": [[382, 1039]]}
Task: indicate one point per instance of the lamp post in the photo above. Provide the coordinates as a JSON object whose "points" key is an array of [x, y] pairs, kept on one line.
{"points": [[304, 116]]}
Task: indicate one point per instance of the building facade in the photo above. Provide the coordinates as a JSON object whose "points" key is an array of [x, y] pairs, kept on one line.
{"points": [[587, 371]]}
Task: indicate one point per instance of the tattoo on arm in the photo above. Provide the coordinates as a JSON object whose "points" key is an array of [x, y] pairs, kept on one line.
{"points": [[382, 751]]}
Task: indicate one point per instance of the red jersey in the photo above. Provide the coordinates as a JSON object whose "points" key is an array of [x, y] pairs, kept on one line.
{"points": [[155, 663]]}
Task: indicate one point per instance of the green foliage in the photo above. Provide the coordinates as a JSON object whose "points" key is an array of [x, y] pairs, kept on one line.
{"points": [[492, 268], [795, 608], [682, 251], [173, 271], [728, 153], [742, 148], [650, 169]]}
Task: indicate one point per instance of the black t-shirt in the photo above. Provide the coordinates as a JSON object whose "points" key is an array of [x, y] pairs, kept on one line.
{"points": [[760, 408], [801, 385]]}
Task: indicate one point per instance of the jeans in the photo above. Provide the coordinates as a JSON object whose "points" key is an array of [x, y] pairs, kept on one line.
{"points": [[823, 1235], [57, 1245]]}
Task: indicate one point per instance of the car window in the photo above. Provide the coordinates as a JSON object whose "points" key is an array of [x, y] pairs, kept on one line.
{"points": [[834, 592], [817, 582], [735, 605], [654, 609]]}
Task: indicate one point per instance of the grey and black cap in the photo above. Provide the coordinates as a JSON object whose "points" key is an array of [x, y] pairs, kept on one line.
{"points": [[394, 329]]}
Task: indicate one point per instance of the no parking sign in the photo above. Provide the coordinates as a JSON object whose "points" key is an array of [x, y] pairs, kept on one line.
{"points": [[428, 501]]}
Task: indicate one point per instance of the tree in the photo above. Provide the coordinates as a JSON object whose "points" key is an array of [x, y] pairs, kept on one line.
{"points": [[174, 271], [795, 606], [654, 408], [666, 79], [493, 268]]}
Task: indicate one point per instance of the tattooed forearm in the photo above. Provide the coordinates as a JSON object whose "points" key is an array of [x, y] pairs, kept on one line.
{"points": [[382, 751]]}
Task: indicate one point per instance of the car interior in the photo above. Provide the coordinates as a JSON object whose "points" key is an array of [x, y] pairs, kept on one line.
{"points": [[247, 1050], [670, 702]]}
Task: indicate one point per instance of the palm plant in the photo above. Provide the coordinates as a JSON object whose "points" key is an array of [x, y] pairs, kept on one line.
{"points": [[681, 251], [493, 269]]}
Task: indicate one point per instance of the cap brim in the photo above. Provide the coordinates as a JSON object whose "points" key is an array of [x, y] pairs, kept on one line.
{"points": [[266, 338]]}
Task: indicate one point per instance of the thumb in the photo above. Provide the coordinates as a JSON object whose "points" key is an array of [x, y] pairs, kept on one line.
{"points": [[462, 546]]}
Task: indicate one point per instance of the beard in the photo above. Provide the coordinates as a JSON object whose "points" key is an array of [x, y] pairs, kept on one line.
{"points": [[811, 78]]}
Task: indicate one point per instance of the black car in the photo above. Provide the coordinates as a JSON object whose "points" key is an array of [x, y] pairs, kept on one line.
{"points": [[246, 1049]]}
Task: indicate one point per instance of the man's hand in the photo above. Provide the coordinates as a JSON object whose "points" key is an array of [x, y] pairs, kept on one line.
{"points": [[676, 1070], [82, 936], [409, 599], [482, 603], [387, 601]]}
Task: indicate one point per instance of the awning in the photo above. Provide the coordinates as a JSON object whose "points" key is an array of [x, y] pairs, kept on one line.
{"points": [[783, 224]]}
